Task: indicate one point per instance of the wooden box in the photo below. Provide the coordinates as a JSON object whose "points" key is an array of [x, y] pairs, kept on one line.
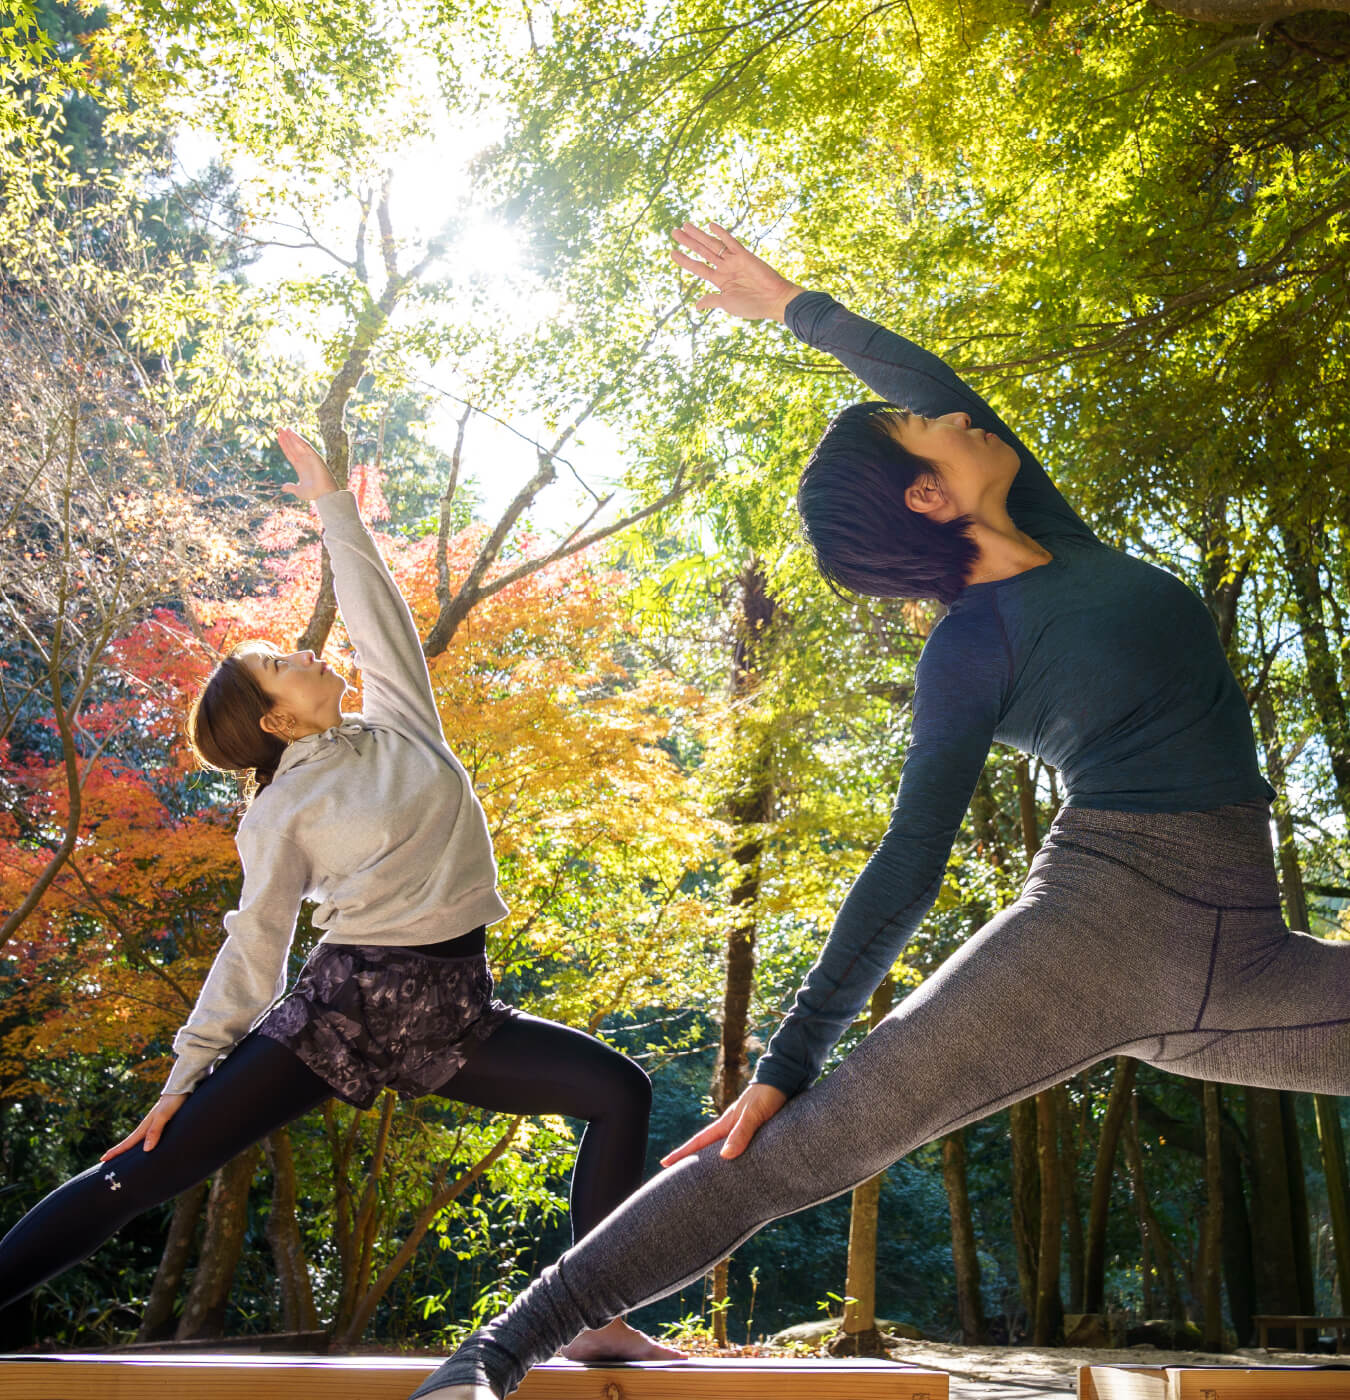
{"points": [[1212, 1383]]}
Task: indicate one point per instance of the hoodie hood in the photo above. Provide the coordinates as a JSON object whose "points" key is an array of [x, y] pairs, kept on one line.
{"points": [[314, 748]]}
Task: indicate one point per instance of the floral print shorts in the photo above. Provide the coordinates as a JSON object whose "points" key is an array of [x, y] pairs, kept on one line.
{"points": [[366, 1018]]}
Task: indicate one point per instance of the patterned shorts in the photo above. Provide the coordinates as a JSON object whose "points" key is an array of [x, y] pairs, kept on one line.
{"points": [[366, 1018]]}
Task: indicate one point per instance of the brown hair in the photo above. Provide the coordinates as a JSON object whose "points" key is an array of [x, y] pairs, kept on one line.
{"points": [[223, 725]]}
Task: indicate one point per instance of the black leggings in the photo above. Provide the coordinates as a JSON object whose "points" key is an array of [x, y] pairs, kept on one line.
{"points": [[525, 1066]]}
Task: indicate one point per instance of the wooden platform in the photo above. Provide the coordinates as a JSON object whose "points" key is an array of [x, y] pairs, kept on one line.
{"points": [[1212, 1383], [230, 1377]]}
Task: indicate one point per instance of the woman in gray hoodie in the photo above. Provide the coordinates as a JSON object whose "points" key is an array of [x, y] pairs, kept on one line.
{"points": [[372, 816]]}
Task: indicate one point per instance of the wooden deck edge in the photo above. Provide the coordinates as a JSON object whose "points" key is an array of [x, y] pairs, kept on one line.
{"points": [[269, 1377]]}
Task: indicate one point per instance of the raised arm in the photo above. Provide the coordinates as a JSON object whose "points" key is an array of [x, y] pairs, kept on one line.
{"points": [[895, 369], [960, 687], [249, 972], [395, 683]]}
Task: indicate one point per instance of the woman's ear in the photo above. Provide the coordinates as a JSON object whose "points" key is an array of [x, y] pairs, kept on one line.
{"points": [[279, 724], [924, 495]]}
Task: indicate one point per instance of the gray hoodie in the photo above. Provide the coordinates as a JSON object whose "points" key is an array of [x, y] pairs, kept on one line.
{"points": [[374, 818]]}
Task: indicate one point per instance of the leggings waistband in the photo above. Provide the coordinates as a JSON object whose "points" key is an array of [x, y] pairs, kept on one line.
{"points": [[1221, 857], [465, 946]]}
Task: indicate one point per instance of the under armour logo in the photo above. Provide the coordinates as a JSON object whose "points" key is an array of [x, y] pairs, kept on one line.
{"points": [[111, 1179]]}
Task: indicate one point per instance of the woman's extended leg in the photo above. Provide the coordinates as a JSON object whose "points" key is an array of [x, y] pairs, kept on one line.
{"points": [[529, 1065], [260, 1086], [1277, 1014], [1096, 958]]}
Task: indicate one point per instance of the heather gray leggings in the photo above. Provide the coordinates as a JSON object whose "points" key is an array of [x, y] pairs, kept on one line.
{"points": [[1157, 936]]}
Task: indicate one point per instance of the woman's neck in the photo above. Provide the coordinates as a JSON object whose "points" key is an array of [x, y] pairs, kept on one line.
{"points": [[321, 722]]}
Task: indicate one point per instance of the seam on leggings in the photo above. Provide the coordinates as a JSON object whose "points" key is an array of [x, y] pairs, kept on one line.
{"points": [[1213, 958], [1253, 1030], [1054, 1077], [1059, 843]]}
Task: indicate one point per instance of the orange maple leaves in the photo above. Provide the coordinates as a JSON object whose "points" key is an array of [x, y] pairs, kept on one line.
{"points": [[566, 738]]}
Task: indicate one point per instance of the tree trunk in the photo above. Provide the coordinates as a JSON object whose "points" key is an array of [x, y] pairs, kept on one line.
{"points": [[1073, 1215], [1332, 1141], [1300, 1227], [1277, 1271], [1238, 1266], [1026, 1195], [298, 1313], [222, 1243], [1236, 1243], [1211, 1258], [965, 1255], [1156, 1243], [1117, 1108], [1145, 1263], [1049, 1316], [157, 1318], [860, 1336], [749, 808]]}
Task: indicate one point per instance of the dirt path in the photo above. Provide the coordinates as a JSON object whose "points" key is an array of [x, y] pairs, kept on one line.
{"points": [[1047, 1373]]}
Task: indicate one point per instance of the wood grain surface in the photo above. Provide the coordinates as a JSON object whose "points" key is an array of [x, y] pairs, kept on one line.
{"points": [[1212, 1383], [222, 1377]]}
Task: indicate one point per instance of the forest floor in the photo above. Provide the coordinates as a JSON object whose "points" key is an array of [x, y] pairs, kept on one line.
{"points": [[1046, 1373], [1028, 1373]]}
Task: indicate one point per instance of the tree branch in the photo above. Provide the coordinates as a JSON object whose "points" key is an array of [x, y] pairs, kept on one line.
{"points": [[421, 1224]]}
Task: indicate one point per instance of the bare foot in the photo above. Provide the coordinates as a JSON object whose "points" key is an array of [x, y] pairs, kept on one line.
{"points": [[615, 1342]]}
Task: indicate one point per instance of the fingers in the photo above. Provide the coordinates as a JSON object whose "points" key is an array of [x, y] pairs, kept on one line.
{"points": [[150, 1128], [286, 440], [731, 244], [298, 451], [697, 268], [704, 244], [695, 1144], [747, 1125], [678, 1154], [131, 1139], [157, 1120], [714, 1132]]}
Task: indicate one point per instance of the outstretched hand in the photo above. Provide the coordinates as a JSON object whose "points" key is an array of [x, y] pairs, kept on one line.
{"points": [[313, 479], [738, 1125], [746, 285], [148, 1130]]}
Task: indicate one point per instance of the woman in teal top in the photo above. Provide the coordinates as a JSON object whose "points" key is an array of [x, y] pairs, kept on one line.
{"points": [[1150, 922]]}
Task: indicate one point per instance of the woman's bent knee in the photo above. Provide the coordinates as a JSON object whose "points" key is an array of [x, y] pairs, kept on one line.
{"points": [[632, 1091]]}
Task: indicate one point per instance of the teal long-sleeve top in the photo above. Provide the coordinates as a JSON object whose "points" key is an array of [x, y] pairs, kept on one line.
{"points": [[1104, 666]]}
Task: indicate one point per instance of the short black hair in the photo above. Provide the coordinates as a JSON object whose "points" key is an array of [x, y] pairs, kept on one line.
{"points": [[851, 497]]}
